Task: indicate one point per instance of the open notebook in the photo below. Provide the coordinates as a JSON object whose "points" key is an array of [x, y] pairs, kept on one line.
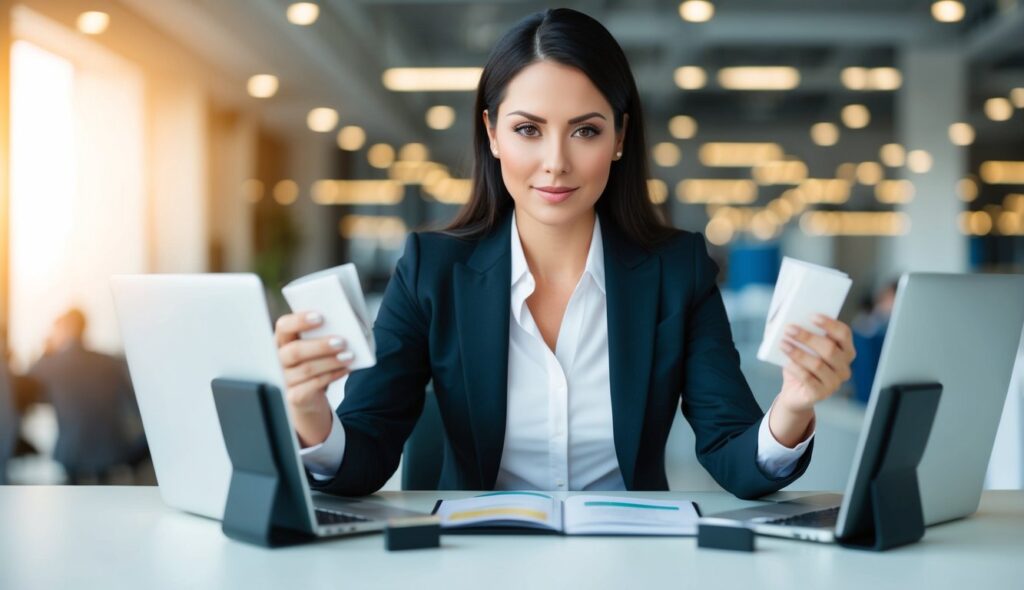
{"points": [[577, 515]]}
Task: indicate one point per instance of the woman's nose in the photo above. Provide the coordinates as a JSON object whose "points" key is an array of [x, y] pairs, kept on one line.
{"points": [[556, 161]]}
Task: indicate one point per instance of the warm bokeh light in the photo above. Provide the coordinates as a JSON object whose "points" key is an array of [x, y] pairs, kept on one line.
{"points": [[1002, 172], [388, 230], [961, 134], [357, 192], [252, 190], [351, 138], [948, 11], [431, 79], [322, 119], [682, 127], [847, 171], [690, 77], [759, 78], [919, 161], [975, 223], [825, 134], [780, 172], [657, 190], [894, 191], [998, 109], [892, 155], [869, 173], [967, 189], [286, 191], [719, 231], [716, 190], [858, 78], [666, 154], [738, 154], [855, 223], [440, 117], [380, 155], [855, 116], [824, 190], [262, 86], [696, 11], [93, 22], [1017, 97], [303, 13], [413, 152]]}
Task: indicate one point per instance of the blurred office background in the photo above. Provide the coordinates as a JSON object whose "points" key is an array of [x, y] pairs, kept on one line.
{"points": [[877, 136]]}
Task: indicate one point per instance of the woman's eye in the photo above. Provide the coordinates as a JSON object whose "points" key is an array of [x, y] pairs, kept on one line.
{"points": [[590, 131], [521, 128]]}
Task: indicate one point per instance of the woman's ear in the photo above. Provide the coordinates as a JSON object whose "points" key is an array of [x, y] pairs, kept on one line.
{"points": [[490, 134], [620, 137]]}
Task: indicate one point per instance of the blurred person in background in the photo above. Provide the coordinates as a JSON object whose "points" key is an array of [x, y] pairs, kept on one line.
{"points": [[562, 322], [869, 327], [99, 427]]}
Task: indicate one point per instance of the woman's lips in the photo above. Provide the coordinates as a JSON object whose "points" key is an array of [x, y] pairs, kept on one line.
{"points": [[553, 196]]}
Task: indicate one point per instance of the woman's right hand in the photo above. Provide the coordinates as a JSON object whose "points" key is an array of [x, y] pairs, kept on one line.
{"points": [[310, 365]]}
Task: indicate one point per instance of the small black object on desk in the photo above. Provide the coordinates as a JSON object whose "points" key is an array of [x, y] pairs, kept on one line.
{"points": [[412, 533], [724, 534]]}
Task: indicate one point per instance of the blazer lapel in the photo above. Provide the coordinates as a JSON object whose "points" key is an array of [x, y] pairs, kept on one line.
{"points": [[633, 280], [482, 306]]}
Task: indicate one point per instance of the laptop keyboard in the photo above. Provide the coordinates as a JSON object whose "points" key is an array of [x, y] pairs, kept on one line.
{"points": [[327, 517], [817, 519]]}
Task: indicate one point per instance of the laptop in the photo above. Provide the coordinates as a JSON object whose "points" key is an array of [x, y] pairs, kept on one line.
{"points": [[961, 331], [180, 333]]}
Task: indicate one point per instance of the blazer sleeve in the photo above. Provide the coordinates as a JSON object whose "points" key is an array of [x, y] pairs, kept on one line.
{"points": [[383, 403], [716, 399]]}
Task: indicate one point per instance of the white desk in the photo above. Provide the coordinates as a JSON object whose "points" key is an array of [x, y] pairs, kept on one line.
{"points": [[123, 537]]}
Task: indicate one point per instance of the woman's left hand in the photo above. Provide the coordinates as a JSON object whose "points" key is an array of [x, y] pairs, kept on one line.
{"points": [[810, 378]]}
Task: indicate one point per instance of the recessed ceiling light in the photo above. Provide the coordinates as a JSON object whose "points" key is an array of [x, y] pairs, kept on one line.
{"points": [[303, 13], [93, 22]]}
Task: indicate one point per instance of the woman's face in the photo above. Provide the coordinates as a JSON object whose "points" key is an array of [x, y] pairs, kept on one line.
{"points": [[555, 130]]}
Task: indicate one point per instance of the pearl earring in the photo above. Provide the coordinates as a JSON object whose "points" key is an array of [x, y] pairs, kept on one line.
{"points": [[618, 155]]}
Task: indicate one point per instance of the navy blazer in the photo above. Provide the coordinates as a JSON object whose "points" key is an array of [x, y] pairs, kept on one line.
{"points": [[445, 316]]}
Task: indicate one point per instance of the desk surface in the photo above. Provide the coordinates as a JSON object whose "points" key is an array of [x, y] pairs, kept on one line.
{"points": [[124, 537]]}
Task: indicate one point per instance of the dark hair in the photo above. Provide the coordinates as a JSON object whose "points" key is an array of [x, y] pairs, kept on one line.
{"points": [[573, 39]]}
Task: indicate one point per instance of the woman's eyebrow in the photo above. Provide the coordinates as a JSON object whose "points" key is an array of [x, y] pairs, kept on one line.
{"points": [[543, 120]]}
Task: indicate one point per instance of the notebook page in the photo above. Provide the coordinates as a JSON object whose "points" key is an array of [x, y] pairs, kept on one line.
{"points": [[628, 516], [503, 509]]}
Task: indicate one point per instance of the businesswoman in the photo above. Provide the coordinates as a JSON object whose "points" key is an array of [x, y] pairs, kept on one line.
{"points": [[562, 323]]}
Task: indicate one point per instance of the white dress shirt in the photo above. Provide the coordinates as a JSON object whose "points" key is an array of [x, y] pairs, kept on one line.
{"points": [[558, 433]]}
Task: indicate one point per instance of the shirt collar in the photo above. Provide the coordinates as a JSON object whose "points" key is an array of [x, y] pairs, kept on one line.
{"points": [[522, 281]]}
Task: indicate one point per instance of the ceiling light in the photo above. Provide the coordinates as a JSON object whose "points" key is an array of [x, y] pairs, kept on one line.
{"points": [[919, 161], [262, 86], [322, 119], [682, 127], [440, 117], [666, 154], [961, 134], [948, 11], [892, 155], [351, 138], [303, 13], [738, 154], [998, 109], [759, 78], [1002, 172], [286, 192], [690, 77], [431, 79], [696, 11], [380, 155], [824, 134], [1017, 97], [855, 116], [93, 22]]}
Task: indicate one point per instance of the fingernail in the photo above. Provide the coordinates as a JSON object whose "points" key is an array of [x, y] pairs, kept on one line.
{"points": [[336, 342], [313, 317], [346, 356], [792, 331]]}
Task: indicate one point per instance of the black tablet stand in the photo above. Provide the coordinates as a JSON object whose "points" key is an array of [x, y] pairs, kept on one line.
{"points": [[888, 512], [257, 496]]}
